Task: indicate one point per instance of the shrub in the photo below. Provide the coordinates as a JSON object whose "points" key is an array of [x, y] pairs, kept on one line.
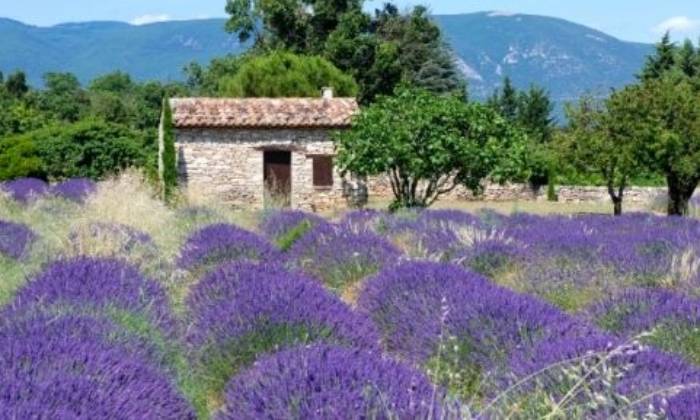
{"points": [[340, 258], [90, 149], [169, 155], [97, 283], [68, 368], [242, 310], [220, 243], [669, 318], [419, 306], [75, 189], [24, 190], [322, 382], [15, 239], [619, 372]]}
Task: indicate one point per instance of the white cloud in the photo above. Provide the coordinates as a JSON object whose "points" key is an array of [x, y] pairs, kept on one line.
{"points": [[150, 18], [501, 13], [678, 24]]}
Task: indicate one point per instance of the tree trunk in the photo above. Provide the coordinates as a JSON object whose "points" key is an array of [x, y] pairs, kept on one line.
{"points": [[679, 195], [617, 206], [617, 196]]}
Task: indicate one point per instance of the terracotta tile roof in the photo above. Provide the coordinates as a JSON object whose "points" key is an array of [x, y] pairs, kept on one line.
{"points": [[263, 112]]}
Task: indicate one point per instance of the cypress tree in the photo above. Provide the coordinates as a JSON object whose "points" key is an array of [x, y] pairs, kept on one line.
{"points": [[169, 168]]}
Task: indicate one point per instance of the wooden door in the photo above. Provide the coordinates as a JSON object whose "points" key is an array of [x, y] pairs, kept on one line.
{"points": [[278, 178]]}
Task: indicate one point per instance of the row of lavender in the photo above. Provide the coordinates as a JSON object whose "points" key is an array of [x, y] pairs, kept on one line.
{"points": [[265, 333]]}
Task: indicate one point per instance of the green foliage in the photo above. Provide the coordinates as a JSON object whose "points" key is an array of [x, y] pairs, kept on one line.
{"points": [[283, 74], [662, 61], [219, 363], [16, 84], [289, 238], [531, 110], [379, 52], [63, 98], [429, 144], [90, 148], [451, 369], [603, 138], [169, 156]]}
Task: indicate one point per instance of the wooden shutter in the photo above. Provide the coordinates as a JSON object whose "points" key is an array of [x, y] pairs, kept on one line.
{"points": [[323, 171]]}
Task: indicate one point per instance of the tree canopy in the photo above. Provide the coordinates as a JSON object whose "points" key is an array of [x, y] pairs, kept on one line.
{"points": [[427, 145], [283, 74]]}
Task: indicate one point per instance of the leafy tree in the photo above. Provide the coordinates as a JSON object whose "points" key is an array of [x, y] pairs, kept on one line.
{"points": [[603, 138], [689, 59], [427, 145], [16, 84], [63, 97], [283, 74], [506, 102], [301, 26], [205, 80], [669, 113], [532, 111], [663, 60], [18, 117], [379, 52]]}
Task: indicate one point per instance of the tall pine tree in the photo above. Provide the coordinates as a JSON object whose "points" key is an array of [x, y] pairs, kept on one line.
{"points": [[663, 60]]}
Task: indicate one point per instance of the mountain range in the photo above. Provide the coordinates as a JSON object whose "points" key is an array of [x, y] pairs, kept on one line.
{"points": [[566, 58]]}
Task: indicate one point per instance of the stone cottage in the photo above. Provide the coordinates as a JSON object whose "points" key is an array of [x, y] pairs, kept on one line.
{"points": [[260, 152]]}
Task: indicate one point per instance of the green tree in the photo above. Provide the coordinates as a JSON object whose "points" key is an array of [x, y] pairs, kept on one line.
{"points": [[689, 59], [16, 84], [603, 139], [301, 26], [63, 97], [168, 164], [379, 52], [427, 145], [506, 102], [669, 113], [663, 60], [283, 74]]}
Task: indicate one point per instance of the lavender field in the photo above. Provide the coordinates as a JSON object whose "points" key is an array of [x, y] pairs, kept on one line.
{"points": [[113, 305]]}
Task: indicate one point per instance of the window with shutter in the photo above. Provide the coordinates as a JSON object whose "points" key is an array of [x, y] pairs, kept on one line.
{"points": [[323, 171]]}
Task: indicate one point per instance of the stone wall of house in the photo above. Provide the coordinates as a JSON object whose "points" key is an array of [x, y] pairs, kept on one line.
{"points": [[229, 164]]}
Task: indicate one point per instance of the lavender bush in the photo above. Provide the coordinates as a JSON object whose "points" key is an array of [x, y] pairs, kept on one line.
{"points": [[670, 318], [96, 283], [75, 189], [65, 368], [339, 257], [286, 227], [243, 310], [325, 382], [24, 190], [220, 243], [418, 306], [15, 240]]}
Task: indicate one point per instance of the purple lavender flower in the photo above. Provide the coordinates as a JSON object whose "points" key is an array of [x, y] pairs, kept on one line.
{"points": [[24, 190], [276, 225], [638, 310], [641, 371], [98, 283], [416, 305], [66, 367], [322, 382], [240, 298], [339, 257], [685, 405], [15, 240], [222, 243], [75, 189]]}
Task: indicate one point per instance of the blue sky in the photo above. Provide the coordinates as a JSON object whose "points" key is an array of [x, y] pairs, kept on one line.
{"points": [[634, 20]]}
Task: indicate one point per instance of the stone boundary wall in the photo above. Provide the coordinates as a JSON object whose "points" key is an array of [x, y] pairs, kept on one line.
{"points": [[642, 196]]}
